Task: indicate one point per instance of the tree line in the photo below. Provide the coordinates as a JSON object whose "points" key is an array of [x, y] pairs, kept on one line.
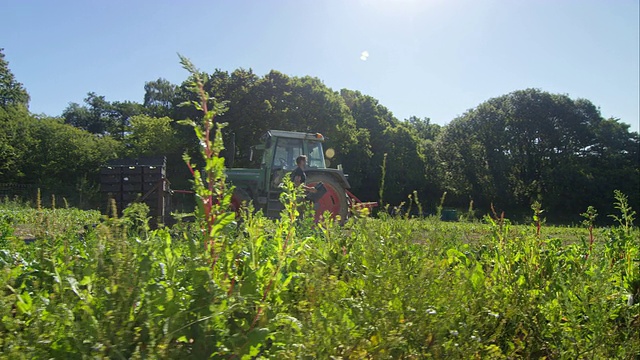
{"points": [[505, 154]]}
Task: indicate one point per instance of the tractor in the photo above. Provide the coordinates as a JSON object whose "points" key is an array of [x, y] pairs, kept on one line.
{"points": [[279, 150]]}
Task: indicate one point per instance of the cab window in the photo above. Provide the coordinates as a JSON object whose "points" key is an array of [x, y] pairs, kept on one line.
{"points": [[315, 156], [287, 150]]}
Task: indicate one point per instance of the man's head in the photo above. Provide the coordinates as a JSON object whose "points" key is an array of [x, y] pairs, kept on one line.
{"points": [[301, 160]]}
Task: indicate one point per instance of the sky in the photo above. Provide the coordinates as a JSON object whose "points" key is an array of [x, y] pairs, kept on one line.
{"points": [[427, 58]]}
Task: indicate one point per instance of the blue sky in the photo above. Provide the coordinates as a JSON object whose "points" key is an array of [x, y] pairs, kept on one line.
{"points": [[427, 58]]}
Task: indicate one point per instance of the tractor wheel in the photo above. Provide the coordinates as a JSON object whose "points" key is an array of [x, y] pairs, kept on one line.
{"points": [[239, 196], [335, 200]]}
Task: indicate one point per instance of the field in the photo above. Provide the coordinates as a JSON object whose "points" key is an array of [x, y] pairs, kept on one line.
{"points": [[84, 285], [76, 284]]}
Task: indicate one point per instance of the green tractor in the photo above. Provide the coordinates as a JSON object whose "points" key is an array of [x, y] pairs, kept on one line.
{"points": [[279, 150]]}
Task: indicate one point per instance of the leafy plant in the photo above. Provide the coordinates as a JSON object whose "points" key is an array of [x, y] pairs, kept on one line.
{"points": [[590, 217], [537, 216]]}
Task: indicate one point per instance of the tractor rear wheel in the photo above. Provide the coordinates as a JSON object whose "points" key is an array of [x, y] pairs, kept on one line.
{"points": [[335, 200], [239, 196]]}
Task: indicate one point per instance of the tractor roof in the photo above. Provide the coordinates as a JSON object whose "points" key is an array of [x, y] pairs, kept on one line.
{"points": [[295, 135]]}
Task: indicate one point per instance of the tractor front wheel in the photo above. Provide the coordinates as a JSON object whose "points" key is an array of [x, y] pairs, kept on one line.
{"points": [[334, 201]]}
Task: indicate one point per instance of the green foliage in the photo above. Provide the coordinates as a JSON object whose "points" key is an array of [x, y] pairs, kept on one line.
{"points": [[441, 205], [382, 178], [159, 96], [531, 145], [623, 247], [589, 220], [538, 220], [16, 140], [393, 288], [12, 93], [99, 116], [151, 136], [136, 216], [627, 214], [59, 158], [407, 170], [62, 150]]}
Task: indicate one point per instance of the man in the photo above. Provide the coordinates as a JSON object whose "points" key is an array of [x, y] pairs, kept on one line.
{"points": [[299, 177]]}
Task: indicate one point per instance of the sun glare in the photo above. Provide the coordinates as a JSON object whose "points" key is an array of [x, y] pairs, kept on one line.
{"points": [[399, 6]]}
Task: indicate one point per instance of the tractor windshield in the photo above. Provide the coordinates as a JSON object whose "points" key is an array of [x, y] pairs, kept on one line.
{"points": [[315, 155], [286, 152]]}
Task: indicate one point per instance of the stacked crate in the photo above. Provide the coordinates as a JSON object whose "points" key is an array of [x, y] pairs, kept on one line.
{"points": [[137, 180]]}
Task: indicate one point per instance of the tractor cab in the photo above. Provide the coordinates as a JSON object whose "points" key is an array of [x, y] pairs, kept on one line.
{"points": [[283, 147], [279, 152]]}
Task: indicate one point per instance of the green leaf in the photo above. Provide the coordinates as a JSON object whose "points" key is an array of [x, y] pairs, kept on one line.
{"points": [[477, 277], [222, 220], [250, 284], [85, 281], [287, 280], [168, 254], [256, 339], [170, 294], [182, 339]]}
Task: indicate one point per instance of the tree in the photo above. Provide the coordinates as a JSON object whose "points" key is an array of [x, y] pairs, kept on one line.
{"points": [[611, 163], [121, 114], [11, 92], [277, 101], [94, 117], [426, 134], [151, 136], [405, 166], [423, 128], [159, 97], [240, 116], [532, 145], [372, 120], [45, 152], [63, 153], [99, 116], [16, 143]]}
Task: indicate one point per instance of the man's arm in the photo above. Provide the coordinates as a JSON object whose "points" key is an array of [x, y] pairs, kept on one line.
{"points": [[297, 180]]}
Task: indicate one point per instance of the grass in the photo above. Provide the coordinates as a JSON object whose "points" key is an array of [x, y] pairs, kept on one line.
{"points": [[26, 222], [375, 288]]}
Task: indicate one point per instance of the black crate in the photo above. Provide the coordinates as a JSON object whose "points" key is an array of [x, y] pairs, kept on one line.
{"points": [[153, 169], [132, 170], [153, 177], [111, 170], [131, 196], [132, 179], [150, 185], [131, 187], [110, 178], [111, 188]]}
